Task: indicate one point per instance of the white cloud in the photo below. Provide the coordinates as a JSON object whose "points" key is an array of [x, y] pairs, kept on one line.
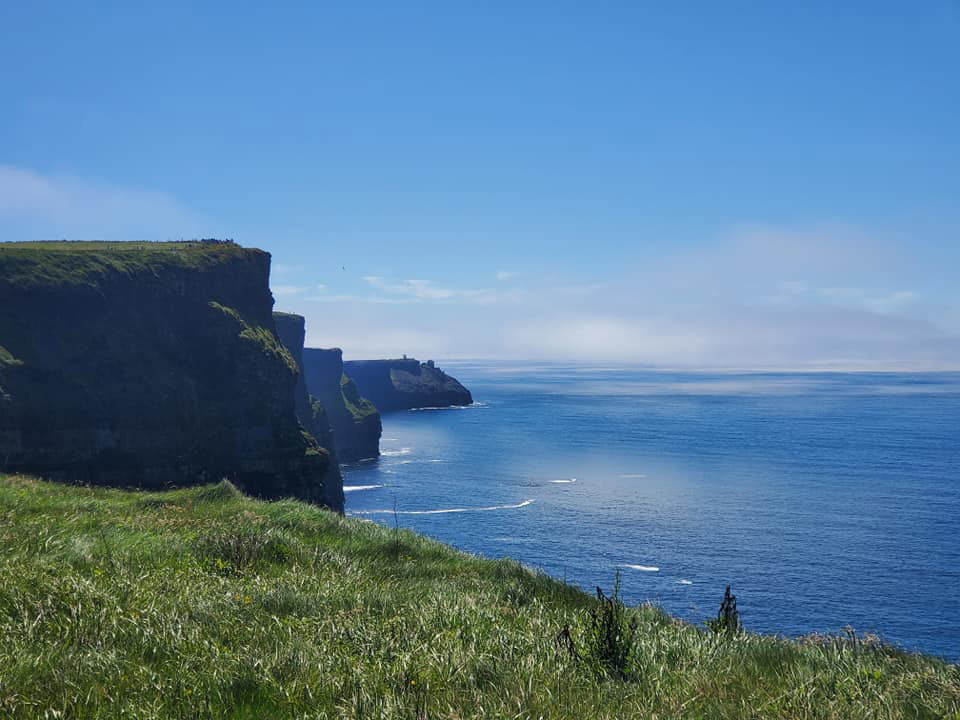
{"points": [[815, 298], [741, 338], [34, 206], [508, 274]]}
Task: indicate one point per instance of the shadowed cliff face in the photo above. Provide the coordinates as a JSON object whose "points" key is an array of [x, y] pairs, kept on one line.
{"points": [[355, 421], [149, 365], [405, 384], [291, 329]]}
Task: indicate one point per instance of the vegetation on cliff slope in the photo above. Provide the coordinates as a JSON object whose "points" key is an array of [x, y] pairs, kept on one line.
{"points": [[206, 603], [259, 336], [359, 407]]}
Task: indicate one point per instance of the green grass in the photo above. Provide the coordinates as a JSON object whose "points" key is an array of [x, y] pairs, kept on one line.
{"points": [[25, 265], [203, 603]]}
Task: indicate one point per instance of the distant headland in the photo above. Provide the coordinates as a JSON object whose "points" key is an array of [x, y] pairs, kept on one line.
{"points": [[406, 383]]}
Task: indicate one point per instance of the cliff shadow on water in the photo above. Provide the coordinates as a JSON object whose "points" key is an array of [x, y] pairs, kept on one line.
{"points": [[149, 365]]}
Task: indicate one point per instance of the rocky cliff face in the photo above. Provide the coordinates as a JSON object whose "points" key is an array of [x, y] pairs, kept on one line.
{"points": [[291, 330], [355, 421], [149, 364], [405, 384]]}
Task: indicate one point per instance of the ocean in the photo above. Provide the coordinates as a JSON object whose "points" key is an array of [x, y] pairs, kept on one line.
{"points": [[825, 500]]}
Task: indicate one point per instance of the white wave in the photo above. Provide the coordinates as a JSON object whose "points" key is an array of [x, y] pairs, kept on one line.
{"points": [[559, 482], [472, 406], [436, 461], [510, 539], [641, 568], [633, 476], [395, 453], [683, 581], [355, 488], [404, 462], [441, 512], [388, 439]]}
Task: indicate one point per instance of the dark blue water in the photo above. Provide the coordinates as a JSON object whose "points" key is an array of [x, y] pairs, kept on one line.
{"points": [[825, 499]]}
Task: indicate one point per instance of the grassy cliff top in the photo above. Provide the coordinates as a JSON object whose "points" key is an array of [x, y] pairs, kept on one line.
{"points": [[205, 603], [64, 263]]}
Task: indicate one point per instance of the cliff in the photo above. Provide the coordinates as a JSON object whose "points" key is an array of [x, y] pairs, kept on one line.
{"points": [[354, 419], [149, 364], [291, 330], [405, 384]]}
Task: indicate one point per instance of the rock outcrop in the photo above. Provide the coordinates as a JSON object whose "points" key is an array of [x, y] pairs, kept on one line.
{"points": [[354, 419], [149, 364], [291, 329], [406, 384]]}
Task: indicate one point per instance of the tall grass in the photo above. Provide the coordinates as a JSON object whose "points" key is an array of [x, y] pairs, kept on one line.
{"points": [[204, 603]]}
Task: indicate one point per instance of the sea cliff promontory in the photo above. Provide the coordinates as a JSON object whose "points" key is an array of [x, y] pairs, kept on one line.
{"points": [[406, 383], [354, 419], [150, 365]]}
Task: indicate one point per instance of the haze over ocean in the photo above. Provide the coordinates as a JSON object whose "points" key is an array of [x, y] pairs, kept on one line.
{"points": [[825, 499]]}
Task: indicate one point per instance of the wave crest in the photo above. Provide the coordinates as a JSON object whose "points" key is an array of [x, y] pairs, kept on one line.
{"points": [[444, 510]]}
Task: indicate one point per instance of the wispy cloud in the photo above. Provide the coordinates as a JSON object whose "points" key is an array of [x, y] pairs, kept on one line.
{"points": [[427, 291], [815, 297], [285, 290], [893, 302], [362, 299], [508, 275], [796, 294], [41, 206]]}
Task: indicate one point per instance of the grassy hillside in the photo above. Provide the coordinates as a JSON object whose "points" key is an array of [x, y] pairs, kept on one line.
{"points": [[205, 603]]}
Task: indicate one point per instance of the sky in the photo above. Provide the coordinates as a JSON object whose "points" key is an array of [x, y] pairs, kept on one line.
{"points": [[690, 184]]}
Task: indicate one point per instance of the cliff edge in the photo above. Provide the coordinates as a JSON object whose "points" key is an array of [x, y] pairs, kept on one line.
{"points": [[405, 384], [354, 419], [149, 364]]}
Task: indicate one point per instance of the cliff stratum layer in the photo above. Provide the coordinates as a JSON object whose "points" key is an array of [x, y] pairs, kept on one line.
{"points": [[405, 384], [354, 419], [149, 364]]}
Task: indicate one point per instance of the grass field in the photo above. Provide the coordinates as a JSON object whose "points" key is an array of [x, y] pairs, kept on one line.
{"points": [[50, 265], [203, 603]]}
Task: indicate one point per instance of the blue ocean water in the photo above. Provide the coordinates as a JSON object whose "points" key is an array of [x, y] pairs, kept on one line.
{"points": [[825, 499]]}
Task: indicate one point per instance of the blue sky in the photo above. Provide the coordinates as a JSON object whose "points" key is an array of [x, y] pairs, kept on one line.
{"points": [[685, 184]]}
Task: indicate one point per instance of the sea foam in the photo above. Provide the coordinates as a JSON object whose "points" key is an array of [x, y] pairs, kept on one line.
{"points": [[443, 511]]}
